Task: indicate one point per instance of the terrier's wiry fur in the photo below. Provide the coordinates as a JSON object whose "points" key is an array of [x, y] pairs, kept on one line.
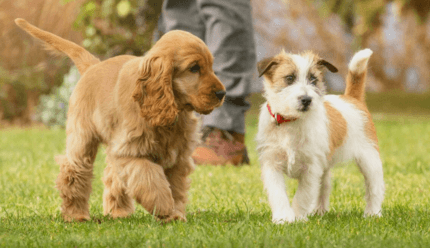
{"points": [[142, 109], [317, 131]]}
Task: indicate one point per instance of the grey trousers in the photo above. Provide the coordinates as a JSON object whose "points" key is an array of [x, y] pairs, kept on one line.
{"points": [[226, 28]]}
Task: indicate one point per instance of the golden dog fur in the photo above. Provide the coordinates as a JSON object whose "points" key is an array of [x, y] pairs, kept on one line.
{"points": [[142, 109]]}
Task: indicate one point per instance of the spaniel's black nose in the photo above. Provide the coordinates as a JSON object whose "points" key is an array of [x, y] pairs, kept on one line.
{"points": [[220, 94]]}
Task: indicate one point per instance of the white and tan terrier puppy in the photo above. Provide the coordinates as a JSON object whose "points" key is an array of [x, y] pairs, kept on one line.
{"points": [[303, 133]]}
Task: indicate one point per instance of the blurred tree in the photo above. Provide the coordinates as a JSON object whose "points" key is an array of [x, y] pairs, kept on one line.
{"points": [[26, 69], [420, 7], [110, 27], [113, 27], [363, 18]]}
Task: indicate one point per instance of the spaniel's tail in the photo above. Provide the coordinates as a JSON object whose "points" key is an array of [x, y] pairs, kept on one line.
{"points": [[356, 79], [81, 57]]}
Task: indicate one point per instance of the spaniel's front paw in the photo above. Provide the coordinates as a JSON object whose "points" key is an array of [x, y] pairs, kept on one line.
{"points": [[176, 215]]}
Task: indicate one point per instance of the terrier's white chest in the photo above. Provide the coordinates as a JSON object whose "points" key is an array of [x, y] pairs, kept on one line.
{"points": [[294, 146]]}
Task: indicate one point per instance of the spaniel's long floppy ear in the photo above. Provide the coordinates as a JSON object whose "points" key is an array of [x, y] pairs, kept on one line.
{"points": [[154, 91]]}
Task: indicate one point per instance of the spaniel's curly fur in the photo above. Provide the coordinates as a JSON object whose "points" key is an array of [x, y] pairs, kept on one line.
{"points": [[142, 109]]}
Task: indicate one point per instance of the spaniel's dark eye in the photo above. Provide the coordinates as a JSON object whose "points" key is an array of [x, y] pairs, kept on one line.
{"points": [[290, 79], [313, 80], [195, 68]]}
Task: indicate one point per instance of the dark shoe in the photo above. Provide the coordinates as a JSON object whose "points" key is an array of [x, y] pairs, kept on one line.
{"points": [[220, 147]]}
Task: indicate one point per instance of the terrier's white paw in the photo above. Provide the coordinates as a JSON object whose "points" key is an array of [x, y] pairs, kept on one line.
{"points": [[321, 211], [284, 217], [372, 214], [302, 218]]}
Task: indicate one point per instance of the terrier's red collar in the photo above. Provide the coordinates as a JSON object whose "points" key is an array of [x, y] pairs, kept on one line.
{"points": [[279, 118]]}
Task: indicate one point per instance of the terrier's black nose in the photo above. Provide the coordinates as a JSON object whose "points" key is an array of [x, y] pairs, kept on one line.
{"points": [[306, 101], [220, 94]]}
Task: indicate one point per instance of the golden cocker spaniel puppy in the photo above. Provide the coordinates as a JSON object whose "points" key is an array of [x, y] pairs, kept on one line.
{"points": [[142, 109]]}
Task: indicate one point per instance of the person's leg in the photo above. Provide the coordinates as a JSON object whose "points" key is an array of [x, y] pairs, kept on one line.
{"points": [[230, 37], [226, 27], [182, 15]]}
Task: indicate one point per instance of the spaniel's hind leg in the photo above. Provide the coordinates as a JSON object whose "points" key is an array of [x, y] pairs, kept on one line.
{"points": [[147, 183], [76, 172], [116, 200]]}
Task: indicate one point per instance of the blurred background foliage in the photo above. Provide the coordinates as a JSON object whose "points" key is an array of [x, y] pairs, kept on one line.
{"points": [[26, 70], [106, 28], [398, 31], [52, 108], [114, 27], [363, 17]]}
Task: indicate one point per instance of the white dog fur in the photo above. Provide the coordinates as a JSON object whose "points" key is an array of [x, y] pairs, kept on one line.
{"points": [[330, 130]]}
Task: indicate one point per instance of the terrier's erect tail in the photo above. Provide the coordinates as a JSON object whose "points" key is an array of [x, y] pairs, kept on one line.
{"points": [[356, 79], [81, 57]]}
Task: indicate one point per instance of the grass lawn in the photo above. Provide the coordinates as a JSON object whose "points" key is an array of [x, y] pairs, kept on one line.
{"points": [[227, 207]]}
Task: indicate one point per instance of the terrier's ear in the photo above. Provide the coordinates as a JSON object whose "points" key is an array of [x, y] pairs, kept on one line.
{"points": [[265, 65], [328, 65]]}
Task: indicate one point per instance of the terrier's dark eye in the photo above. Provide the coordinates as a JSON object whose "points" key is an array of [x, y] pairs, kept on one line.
{"points": [[195, 68], [313, 80], [290, 79]]}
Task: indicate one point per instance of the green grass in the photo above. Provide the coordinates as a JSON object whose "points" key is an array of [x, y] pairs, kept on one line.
{"points": [[228, 207]]}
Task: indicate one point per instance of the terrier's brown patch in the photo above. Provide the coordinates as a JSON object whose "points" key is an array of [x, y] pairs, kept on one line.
{"points": [[337, 127], [369, 126], [355, 86], [275, 69]]}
